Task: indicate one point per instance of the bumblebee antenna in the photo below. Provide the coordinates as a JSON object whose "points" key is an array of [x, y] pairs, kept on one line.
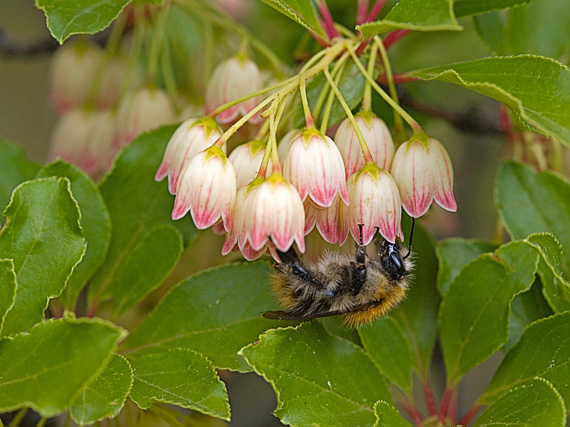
{"points": [[360, 226], [411, 237]]}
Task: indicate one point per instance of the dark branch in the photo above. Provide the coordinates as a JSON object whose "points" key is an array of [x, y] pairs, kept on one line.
{"points": [[13, 47]]}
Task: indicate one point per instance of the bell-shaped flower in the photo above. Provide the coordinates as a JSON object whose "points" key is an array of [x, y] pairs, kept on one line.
{"points": [[377, 137], [71, 74], [374, 204], [71, 134], [191, 137], [315, 167], [423, 171], [207, 188], [99, 152], [285, 144], [274, 212], [325, 219], [142, 111], [246, 159], [112, 82], [234, 78]]}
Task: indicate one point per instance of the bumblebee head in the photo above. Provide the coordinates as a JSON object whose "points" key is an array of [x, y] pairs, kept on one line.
{"points": [[391, 259]]}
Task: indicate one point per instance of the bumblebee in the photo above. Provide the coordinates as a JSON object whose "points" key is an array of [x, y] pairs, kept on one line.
{"points": [[360, 288]]}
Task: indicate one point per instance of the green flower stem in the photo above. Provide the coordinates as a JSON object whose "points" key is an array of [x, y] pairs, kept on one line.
{"points": [[338, 68], [209, 49], [367, 97], [239, 100], [157, 41], [556, 156], [18, 417], [41, 422], [409, 119], [363, 146], [306, 109], [135, 53], [399, 126], [167, 71], [337, 75], [263, 130], [233, 129]]}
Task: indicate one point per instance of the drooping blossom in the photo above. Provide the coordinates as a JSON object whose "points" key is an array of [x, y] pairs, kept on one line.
{"points": [[315, 167], [142, 111], [274, 212], [99, 152], [206, 188], [423, 172], [374, 203], [71, 75], [191, 137], [325, 219], [71, 134], [233, 78], [285, 144], [377, 137]]}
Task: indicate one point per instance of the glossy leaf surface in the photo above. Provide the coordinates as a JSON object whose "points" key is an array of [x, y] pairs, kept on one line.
{"points": [[300, 11], [388, 416], [7, 288]]}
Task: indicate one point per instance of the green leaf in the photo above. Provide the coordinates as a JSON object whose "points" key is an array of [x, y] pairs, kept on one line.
{"points": [[541, 27], [474, 313], [67, 17], [137, 204], [7, 288], [95, 223], [390, 351], [417, 15], [535, 403], [417, 314], [43, 237], [105, 395], [319, 379], [146, 266], [530, 202], [453, 255], [46, 368], [525, 309], [475, 7], [388, 416], [215, 312], [543, 351], [540, 92], [300, 11], [181, 377], [351, 87], [490, 28], [15, 170], [556, 288]]}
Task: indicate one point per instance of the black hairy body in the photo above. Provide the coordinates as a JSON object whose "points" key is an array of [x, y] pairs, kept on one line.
{"points": [[359, 287]]}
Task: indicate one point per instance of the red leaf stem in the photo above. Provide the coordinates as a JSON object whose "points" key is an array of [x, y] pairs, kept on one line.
{"points": [[393, 36]]}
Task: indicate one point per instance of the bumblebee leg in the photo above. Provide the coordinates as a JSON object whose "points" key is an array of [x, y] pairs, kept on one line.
{"points": [[291, 259], [358, 268]]}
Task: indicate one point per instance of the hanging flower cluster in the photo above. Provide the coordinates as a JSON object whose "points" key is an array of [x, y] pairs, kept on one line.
{"points": [[268, 196]]}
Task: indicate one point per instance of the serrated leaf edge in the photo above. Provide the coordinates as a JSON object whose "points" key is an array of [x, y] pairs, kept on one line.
{"points": [[13, 300]]}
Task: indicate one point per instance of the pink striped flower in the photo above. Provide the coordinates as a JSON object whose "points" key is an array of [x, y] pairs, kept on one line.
{"points": [[207, 188], [274, 212], [70, 136], [325, 219], [285, 144], [191, 137], [315, 167], [232, 79], [423, 172], [374, 203], [377, 137]]}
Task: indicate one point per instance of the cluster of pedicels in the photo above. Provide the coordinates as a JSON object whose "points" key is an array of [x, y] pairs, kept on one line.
{"points": [[267, 197]]}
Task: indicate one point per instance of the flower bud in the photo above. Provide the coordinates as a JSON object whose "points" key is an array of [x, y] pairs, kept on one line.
{"points": [[112, 80], [246, 159], [374, 203], [191, 137], [314, 166], [274, 213], [142, 111], [99, 153], [422, 170], [232, 79], [71, 75], [70, 135], [377, 137], [206, 188]]}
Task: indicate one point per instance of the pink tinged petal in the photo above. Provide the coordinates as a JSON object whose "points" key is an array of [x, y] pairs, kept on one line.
{"points": [[390, 209], [285, 144], [443, 176], [327, 221], [246, 160], [413, 174], [311, 213]]}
